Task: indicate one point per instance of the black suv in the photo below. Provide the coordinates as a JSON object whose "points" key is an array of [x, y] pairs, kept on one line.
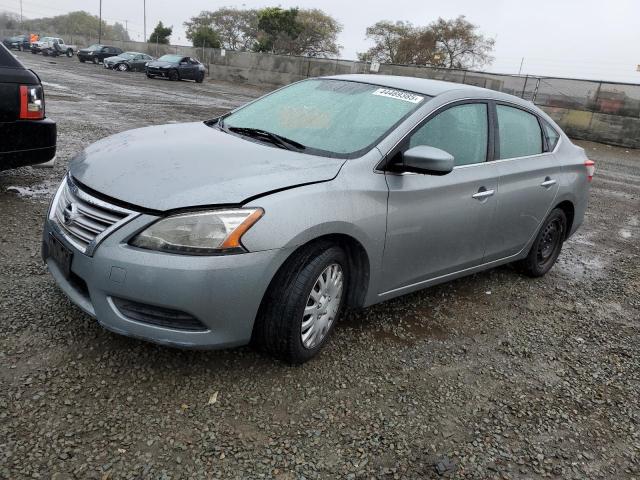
{"points": [[27, 137], [97, 53]]}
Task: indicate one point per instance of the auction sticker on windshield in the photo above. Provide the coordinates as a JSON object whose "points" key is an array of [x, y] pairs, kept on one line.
{"points": [[398, 95]]}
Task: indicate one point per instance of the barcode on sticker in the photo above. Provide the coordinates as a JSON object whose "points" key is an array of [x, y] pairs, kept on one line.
{"points": [[398, 95]]}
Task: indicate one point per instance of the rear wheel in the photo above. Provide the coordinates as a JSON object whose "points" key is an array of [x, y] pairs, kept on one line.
{"points": [[69, 53], [547, 245], [303, 303]]}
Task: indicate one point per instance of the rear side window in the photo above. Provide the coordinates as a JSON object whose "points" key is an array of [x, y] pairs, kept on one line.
{"points": [[552, 136], [520, 134], [462, 131]]}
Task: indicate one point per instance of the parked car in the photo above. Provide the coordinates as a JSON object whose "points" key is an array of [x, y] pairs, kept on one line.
{"points": [[264, 224], [28, 137], [133, 61], [19, 42], [176, 67], [47, 43], [97, 53]]}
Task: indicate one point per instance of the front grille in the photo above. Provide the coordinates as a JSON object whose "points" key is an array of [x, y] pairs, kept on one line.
{"points": [[83, 219], [159, 316]]}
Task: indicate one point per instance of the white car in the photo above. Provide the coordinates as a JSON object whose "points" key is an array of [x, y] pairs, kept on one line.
{"points": [[48, 42]]}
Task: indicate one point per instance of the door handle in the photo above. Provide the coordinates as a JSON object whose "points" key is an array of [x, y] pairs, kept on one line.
{"points": [[483, 193], [548, 182]]}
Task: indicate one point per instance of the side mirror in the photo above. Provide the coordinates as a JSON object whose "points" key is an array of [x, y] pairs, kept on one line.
{"points": [[426, 160]]}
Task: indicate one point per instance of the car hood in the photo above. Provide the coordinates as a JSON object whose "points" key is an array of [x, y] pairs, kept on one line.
{"points": [[113, 59], [190, 164]]}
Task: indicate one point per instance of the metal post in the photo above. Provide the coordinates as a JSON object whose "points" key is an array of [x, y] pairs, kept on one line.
{"points": [[521, 62], [144, 13], [21, 14], [100, 26], [524, 87]]}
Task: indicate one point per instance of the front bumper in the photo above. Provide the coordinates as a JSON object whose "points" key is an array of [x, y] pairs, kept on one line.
{"points": [[222, 292], [158, 72]]}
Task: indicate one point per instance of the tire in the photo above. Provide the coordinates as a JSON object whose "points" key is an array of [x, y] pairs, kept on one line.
{"points": [[81, 59], [173, 75], [34, 52], [547, 245], [150, 76], [20, 48], [45, 53], [200, 79], [96, 61], [123, 67], [288, 325], [69, 53]]}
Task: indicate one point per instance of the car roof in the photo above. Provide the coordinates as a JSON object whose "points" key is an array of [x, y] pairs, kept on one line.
{"points": [[8, 60], [429, 87]]}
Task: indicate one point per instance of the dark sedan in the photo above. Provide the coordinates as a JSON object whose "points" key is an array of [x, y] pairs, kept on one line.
{"points": [[133, 61], [176, 67], [27, 137], [20, 42], [97, 53]]}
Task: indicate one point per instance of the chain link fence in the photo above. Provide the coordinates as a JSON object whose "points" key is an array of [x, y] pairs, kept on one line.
{"points": [[601, 111]]}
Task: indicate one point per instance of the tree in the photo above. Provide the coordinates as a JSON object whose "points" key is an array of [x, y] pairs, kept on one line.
{"points": [[205, 37], [387, 37], [448, 43], [318, 34], [75, 23], [236, 29], [161, 34], [277, 30], [460, 45]]}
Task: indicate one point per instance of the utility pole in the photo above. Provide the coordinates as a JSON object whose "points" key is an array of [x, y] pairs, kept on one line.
{"points": [[521, 62], [126, 27], [21, 14], [100, 27], [144, 12]]}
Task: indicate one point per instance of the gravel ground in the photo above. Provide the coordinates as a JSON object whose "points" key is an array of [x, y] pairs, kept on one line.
{"points": [[491, 376]]}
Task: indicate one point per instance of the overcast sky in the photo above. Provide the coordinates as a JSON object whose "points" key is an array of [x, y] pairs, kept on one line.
{"points": [[574, 38]]}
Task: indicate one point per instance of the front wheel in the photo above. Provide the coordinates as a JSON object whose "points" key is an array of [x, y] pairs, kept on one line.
{"points": [[123, 67], [200, 78], [69, 53], [150, 76], [95, 60], [303, 303], [547, 245]]}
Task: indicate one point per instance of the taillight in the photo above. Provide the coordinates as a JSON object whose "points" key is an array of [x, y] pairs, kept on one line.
{"points": [[31, 102], [591, 169]]}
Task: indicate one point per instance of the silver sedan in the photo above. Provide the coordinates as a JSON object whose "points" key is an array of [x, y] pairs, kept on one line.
{"points": [[263, 225]]}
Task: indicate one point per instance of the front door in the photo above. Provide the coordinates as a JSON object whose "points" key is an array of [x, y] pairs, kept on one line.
{"points": [[528, 176], [438, 225]]}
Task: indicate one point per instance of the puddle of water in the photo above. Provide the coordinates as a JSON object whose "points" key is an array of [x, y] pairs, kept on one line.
{"points": [[579, 268], [625, 233], [55, 85]]}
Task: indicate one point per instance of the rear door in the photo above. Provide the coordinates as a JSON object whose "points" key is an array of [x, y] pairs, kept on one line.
{"points": [[528, 176], [438, 225]]}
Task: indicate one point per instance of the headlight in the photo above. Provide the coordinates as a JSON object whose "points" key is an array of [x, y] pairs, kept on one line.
{"points": [[199, 233]]}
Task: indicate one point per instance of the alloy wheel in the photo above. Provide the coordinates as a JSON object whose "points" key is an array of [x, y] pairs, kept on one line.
{"points": [[322, 306]]}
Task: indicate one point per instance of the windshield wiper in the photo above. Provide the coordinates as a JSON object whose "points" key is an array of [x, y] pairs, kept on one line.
{"points": [[278, 140]]}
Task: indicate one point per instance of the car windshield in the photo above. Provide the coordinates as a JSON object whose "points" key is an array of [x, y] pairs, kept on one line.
{"points": [[94, 47], [329, 117], [170, 58]]}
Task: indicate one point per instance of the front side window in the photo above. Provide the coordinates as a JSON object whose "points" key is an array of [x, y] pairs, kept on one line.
{"points": [[520, 134], [329, 117], [462, 131]]}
